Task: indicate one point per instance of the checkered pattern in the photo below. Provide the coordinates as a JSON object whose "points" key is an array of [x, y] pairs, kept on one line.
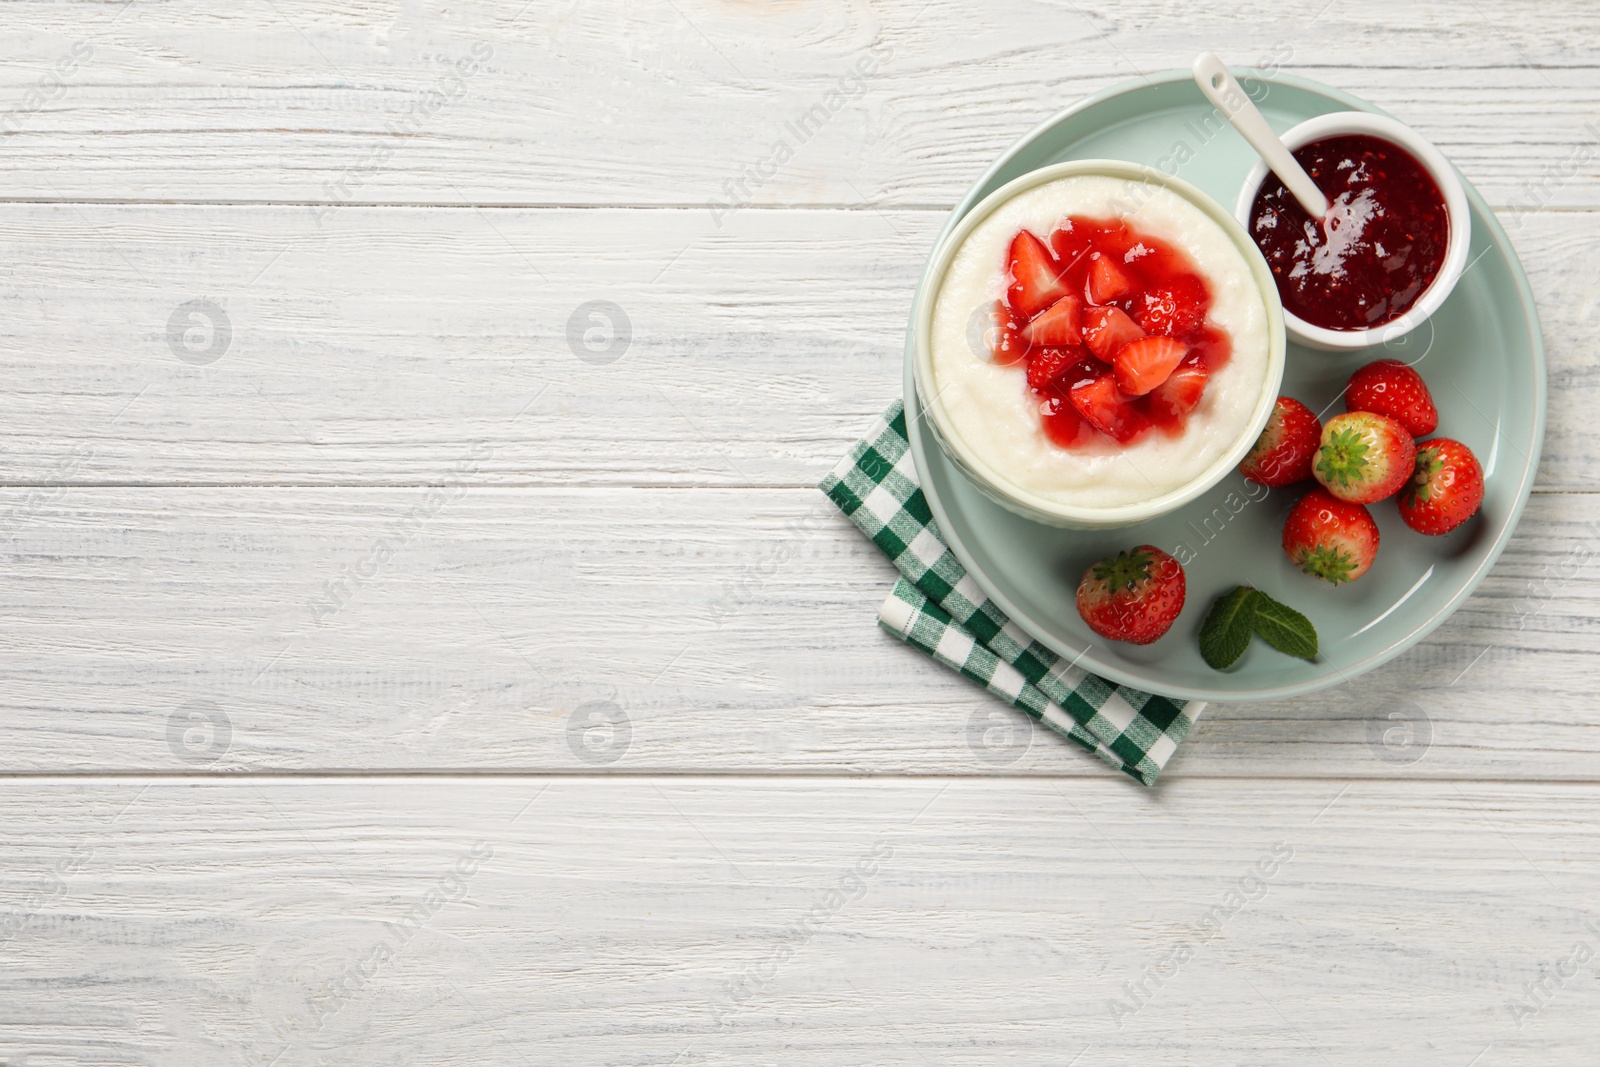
{"points": [[938, 608]]}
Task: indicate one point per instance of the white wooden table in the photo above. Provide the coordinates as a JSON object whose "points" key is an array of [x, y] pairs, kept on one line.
{"points": [[403, 666]]}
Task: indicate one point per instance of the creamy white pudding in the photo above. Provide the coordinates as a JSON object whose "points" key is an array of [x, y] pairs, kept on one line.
{"points": [[990, 406]]}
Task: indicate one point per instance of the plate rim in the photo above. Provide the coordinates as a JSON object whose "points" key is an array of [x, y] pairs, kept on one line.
{"points": [[1342, 673]]}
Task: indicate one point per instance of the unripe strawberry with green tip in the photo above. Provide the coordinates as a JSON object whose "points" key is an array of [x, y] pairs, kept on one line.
{"points": [[1445, 491], [1364, 457], [1329, 538], [1134, 596]]}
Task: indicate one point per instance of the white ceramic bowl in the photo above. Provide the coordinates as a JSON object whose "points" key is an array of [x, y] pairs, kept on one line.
{"points": [[1455, 201], [993, 482]]}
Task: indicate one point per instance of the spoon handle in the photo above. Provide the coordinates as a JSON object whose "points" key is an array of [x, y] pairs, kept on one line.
{"points": [[1223, 90]]}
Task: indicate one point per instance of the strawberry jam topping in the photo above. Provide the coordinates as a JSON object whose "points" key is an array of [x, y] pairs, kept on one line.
{"points": [[1078, 313], [1383, 242]]}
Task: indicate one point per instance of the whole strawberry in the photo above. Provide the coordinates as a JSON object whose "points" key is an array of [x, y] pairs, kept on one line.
{"points": [[1133, 596], [1364, 457], [1329, 538], [1389, 387], [1446, 489], [1283, 453]]}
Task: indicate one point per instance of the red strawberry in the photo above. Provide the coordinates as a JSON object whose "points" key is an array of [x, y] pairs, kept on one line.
{"points": [[1062, 423], [1389, 387], [1045, 365], [1108, 410], [1057, 325], [1004, 338], [1180, 394], [1329, 538], [1282, 455], [1175, 309], [1446, 489], [1364, 457], [1035, 276], [1106, 330], [1071, 243], [1144, 364], [1133, 596], [1085, 369], [1107, 281]]}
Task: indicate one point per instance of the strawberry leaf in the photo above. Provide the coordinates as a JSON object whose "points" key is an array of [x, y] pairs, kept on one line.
{"points": [[1329, 563], [1284, 628], [1344, 457], [1125, 570], [1226, 632]]}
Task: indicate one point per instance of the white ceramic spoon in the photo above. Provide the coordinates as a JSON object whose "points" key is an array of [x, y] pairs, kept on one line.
{"points": [[1229, 96]]}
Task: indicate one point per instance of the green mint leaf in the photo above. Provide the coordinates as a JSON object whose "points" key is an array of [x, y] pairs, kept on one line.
{"points": [[1226, 632], [1284, 628]]}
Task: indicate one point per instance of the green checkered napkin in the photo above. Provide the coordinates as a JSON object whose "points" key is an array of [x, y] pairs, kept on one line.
{"points": [[938, 608]]}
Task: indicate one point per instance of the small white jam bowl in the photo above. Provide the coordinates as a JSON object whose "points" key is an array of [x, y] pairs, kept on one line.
{"points": [[1444, 176], [984, 475]]}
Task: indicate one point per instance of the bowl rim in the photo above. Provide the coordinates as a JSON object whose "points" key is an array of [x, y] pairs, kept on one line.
{"points": [[1031, 504], [1457, 213]]}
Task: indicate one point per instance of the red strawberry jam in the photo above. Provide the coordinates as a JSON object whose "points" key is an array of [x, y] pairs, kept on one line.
{"points": [[1384, 242], [1101, 286]]}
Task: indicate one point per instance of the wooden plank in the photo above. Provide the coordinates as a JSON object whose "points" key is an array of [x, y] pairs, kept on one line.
{"points": [[623, 601], [631, 631], [664, 102], [795, 922], [398, 346]]}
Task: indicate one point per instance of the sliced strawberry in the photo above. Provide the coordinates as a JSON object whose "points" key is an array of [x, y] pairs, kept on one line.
{"points": [[1071, 244], [1115, 238], [1062, 423], [1144, 364], [1107, 281], [1004, 337], [1107, 409], [1106, 330], [1060, 365], [1058, 325], [1175, 309], [1035, 276], [1046, 364], [1181, 392]]}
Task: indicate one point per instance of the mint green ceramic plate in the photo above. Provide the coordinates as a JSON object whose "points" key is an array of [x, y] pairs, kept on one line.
{"points": [[1481, 355]]}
